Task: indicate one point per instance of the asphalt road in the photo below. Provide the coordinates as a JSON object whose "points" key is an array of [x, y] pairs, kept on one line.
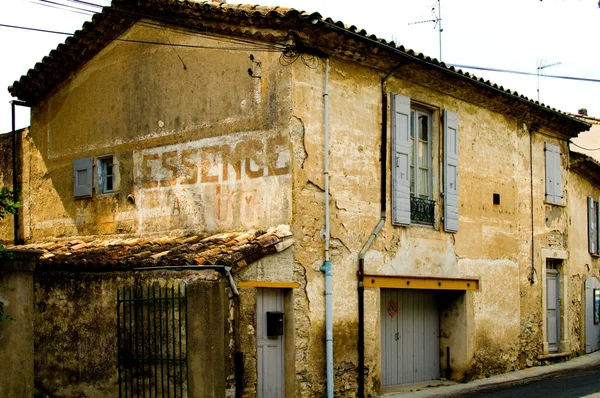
{"points": [[571, 383]]}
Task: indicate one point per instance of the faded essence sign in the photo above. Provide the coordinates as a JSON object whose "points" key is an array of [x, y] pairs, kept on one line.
{"points": [[214, 183]]}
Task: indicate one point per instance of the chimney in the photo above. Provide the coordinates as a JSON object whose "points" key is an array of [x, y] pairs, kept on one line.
{"points": [[582, 112]]}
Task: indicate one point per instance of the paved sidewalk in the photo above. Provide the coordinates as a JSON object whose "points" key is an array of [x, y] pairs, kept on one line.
{"points": [[446, 388]]}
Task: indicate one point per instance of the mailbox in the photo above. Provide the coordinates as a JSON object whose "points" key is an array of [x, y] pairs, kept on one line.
{"points": [[274, 323]]}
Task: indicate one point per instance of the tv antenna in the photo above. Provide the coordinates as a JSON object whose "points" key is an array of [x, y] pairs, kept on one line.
{"points": [[541, 66], [437, 20]]}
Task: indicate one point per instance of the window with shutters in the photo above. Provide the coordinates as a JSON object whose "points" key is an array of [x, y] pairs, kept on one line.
{"points": [[593, 223], [554, 193], [422, 205], [415, 140], [106, 175]]}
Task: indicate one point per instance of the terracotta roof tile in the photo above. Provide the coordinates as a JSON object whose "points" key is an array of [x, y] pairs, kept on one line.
{"points": [[234, 249]]}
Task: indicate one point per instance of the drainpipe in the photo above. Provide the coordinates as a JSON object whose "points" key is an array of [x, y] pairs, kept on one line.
{"points": [[18, 240], [326, 267], [532, 279], [380, 224]]}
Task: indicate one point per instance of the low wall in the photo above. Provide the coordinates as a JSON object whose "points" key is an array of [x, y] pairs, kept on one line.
{"points": [[75, 332]]}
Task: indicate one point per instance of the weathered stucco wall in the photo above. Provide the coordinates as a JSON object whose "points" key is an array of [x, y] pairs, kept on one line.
{"points": [[198, 143], [16, 327], [202, 146], [493, 244], [582, 264], [75, 331]]}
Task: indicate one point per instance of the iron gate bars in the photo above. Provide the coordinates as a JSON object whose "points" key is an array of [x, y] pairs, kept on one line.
{"points": [[152, 341]]}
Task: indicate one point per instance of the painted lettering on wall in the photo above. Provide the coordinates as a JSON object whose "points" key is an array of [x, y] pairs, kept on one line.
{"points": [[216, 183]]}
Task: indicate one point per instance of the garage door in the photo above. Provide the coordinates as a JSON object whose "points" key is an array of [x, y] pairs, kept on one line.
{"points": [[410, 342]]}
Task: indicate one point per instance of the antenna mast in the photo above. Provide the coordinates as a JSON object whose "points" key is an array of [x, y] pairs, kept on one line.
{"points": [[437, 21], [542, 65]]}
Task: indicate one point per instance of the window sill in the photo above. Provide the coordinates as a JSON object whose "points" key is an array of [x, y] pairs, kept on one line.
{"points": [[554, 204]]}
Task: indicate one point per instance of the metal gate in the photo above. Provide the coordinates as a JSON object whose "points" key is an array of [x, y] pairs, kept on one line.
{"points": [[152, 341]]}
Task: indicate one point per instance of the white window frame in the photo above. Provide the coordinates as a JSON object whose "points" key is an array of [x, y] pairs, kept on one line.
{"points": [[102, 179], [415, 113]]}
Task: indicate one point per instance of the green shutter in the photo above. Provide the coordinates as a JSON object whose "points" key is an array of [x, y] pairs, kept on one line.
{"points": [[450, 171], [400, 161], [592, 219]]}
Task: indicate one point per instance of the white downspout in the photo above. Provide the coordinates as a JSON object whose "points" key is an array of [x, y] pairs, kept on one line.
{"points": [[326, 267]]}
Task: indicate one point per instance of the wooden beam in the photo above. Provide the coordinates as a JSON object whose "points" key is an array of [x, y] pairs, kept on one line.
{"points": [[269, 284], [420, 282]]}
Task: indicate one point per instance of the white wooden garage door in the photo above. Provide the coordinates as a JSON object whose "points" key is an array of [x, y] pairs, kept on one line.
{"points": [[410, 342]]}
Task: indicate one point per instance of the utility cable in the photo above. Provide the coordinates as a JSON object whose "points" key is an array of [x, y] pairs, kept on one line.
{"points": [[264, 49], [587, 149], [585, 79]]}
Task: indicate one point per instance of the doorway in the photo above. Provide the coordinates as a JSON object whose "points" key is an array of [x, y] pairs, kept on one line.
{"points": [[410, 338], [553, 331], [269, 344]]}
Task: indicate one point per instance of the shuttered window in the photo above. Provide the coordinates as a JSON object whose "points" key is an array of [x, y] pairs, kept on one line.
{"points": [[593, 223], [450, 171], [412, 170], [554, 193], [83, 178], [401, 160]]}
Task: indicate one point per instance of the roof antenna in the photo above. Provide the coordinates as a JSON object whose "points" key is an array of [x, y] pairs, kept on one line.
{"points": [[437, 20], [541, 65]]}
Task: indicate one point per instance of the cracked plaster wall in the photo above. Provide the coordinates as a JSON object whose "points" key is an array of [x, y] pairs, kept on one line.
{"points": [[502, 319]]}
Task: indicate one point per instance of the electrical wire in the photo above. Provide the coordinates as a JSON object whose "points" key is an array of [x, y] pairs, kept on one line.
{"points": [[585, 79], [155, 25], [257, 48], [587, 149]]}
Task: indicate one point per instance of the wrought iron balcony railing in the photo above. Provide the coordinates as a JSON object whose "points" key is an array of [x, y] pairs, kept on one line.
{"points": [[422, 211]]}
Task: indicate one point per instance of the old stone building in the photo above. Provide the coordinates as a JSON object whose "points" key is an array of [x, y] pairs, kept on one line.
{"points": [[404, 220]]}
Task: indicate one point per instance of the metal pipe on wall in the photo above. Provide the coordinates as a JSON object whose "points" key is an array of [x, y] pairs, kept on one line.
{"points": [[326, 267], [378, 228]]}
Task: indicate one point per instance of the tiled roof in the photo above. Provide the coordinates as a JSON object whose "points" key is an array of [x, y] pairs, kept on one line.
{"points": [[235, 249], [585, 165], [205, 15]]}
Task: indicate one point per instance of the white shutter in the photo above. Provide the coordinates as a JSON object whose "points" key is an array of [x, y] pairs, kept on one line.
{"points": [[592, 220], [82, 178], [553, 174], [401, 156], [450, 171]]}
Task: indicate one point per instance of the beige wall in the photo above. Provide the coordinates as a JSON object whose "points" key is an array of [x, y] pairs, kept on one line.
{"points": [[197, 147], [582, 263], [589, 139], [503, 320]]}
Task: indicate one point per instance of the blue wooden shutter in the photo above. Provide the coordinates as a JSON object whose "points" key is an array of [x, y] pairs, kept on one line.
{"points": [[597, 225], [82, 177], [401, 156], [450, 171], [592, 220], [553, 174]]}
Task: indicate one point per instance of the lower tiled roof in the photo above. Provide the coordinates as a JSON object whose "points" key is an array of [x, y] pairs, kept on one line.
{"points": [[235, 249]]}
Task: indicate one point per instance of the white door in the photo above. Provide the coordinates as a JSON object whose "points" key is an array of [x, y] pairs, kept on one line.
{"points": [[592, 315], [269, 348], [410, 342], [552, 308]]}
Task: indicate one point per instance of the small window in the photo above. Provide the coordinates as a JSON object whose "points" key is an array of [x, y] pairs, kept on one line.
{"points": [[106, 175]]}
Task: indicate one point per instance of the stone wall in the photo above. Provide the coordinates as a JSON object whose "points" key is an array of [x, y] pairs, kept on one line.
{"points": [[75, 331]]}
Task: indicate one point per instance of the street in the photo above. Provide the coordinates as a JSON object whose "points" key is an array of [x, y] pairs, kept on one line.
{"points": [[571, 383]]}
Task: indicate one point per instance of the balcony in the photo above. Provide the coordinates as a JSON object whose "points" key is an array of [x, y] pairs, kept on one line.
{"points": [[422, 211]]}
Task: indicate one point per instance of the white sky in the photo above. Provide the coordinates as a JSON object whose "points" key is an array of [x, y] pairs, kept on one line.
{"points": [[504, 34]]}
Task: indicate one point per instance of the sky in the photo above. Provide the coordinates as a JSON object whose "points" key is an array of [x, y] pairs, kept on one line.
{"points": [[563, 36]]}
